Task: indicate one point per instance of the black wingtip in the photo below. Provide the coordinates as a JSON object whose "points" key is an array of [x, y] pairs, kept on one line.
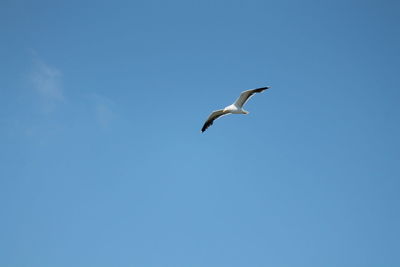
{"points": [[206, 125], [261, 89]]}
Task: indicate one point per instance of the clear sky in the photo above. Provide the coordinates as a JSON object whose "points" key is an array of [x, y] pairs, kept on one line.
{"points": [[102, 162]]}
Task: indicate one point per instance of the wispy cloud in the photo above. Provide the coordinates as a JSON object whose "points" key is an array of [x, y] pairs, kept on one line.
{"points": [[103, 110], [46, 81]]}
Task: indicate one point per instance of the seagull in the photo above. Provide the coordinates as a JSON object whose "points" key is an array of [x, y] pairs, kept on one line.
{"points": [[235, 108]]}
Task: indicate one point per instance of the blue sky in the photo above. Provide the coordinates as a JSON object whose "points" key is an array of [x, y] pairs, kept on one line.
{"points": [[103, 162]]}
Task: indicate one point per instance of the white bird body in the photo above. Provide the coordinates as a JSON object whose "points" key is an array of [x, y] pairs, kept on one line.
{"points": [[235, 108]]}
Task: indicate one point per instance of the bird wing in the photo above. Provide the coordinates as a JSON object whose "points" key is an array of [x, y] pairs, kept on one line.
{"points": [[214, 115], [245, 95]]}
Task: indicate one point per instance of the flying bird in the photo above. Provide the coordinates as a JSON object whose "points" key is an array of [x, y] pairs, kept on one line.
{"points": [[235, 108]]}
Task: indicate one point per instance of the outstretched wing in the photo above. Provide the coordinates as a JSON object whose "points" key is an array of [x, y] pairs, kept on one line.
{"points": [[215, 115], [244, 96]]}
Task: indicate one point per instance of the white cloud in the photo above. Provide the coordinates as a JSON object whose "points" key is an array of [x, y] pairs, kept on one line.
{"points": [[103, 110], [46, 81]]}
